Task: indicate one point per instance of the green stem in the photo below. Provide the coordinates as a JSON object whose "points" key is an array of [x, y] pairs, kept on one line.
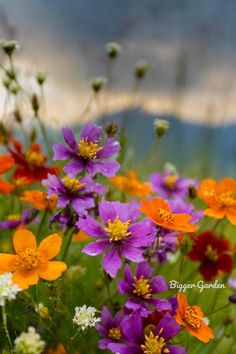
{"points": [[4, 321], [219, 309], [42, 222], [68, 244]]}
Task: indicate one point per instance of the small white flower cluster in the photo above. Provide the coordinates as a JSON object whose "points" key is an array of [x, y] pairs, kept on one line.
{"points": [[29, 342], [85, 317], [8, 290]]}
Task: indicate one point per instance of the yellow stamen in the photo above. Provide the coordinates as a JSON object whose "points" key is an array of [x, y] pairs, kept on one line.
{"points": [[72, 184], [114, 333], [192, 318], [166, 216], [117, 230], [211, 253], [13, 217], [142, 287], [154, 345], [88, 149], [228, 199], [170, 181], [29, 259], [35, 158]]}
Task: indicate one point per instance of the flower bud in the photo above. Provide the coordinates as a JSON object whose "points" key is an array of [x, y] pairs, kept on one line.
{"points": [[17, 116], [9, 46], [192, 192], [98, 84], [11, 73], [35, 103], [113, 49], [40, 77], [161, 126], [141, 68], [14, 88], [111, 129], [6, 82], [232, 298]]}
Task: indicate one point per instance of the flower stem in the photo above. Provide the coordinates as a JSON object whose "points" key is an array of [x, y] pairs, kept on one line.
{"points": [[4, 321], [68, 244], [42, 222]]}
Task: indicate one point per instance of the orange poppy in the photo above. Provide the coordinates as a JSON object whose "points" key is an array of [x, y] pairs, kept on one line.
{"points": [[39, 199], [220, 198], [191, 317], [31, 262], [6, 163], [159, 211], [129, 183]]}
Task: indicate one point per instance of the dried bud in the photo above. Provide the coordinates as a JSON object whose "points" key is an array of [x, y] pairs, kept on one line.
{"points": [[6, 82], [35, 103], [161, 126], [232, 298], [228, 320], [14, 88], [141, 68], [9, 46], [192, 192], [11, 73], [40, 77], [99, 285], [17, 116], [98, 84], [113, 50], [111, 129], [33, 135]]}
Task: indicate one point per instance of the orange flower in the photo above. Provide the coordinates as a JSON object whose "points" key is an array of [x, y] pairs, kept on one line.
{"points": [[129, 183], [6, 163], [80, 236], [191, 317], [159, 211], [58, 350], [39, 199], [220, 198], [31, 262]]}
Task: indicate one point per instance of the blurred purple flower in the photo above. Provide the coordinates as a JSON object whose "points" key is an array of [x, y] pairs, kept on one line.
{"points": [[179, 206], [87, 154], [232, 283], [23, 219]]}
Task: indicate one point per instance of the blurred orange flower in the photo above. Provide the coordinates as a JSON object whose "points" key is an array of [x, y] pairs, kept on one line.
{"points": [[6, 163], [159, 211], [31, 262], [129, 183], [220, 198], [80, 236], [58, 350], [191, 317], [39, 199]]}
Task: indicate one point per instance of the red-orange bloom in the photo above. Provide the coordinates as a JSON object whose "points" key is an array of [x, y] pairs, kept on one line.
{"points": [[39, 199], [191, 317], [159, 211], [6, 163], [220, 198], [129, 183], [31, 262], [31, 164]]}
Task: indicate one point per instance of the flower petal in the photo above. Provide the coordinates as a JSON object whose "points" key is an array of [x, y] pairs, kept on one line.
{"points": [[112, 262], [23, 239], [96, 248], [70, 138], [6, 162], [25, 279], [50, 246], [51, 270], [8, 262], [61, 152], [90, 227]]}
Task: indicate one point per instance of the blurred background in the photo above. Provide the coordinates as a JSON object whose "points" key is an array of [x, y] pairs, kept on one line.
{"points": [[191, 50]]}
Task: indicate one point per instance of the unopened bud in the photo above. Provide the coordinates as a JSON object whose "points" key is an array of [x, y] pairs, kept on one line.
{"points": [[9, 46], [42, 311], [40, 77], [192, 192], [14, 88], [17, 116], [113, 50], [161, 126], [11, 73], [6, 82], [111, 129], [35, 103], [232, 298], [141, 68], [98, 84]]}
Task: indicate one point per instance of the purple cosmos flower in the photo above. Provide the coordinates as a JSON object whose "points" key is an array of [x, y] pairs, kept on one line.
{"points": [[141, 289], [87, 154], [119, 235], [77, 192], [140, 339], [169, 185], [109, 327], [179, 206], [23, 219]]}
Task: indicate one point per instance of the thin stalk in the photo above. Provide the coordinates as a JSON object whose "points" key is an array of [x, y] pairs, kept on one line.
{"points": [[4, 321], [68, 244]]}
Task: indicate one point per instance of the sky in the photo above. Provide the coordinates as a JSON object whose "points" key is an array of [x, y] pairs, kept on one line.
{"points": [[189, 44]]}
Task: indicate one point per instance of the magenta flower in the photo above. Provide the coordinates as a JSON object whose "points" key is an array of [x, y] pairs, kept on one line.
{"points": [[139, 337], [77, 192], [87, 155], [141, 289], [169, 185], [109, 328], [119, 235]]}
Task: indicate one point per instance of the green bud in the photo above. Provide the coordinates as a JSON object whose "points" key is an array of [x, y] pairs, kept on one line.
{"points": [[98, 84], [161, 126], [17, 116], [113, 49], [14, 88], [40, 77], [111, 129], [9, 46], [35, 103], [141, 68], [6, 82]]}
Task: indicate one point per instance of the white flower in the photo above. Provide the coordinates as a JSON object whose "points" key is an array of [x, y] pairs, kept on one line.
{"points": [[206, 320], [8, 290], [29, 342], [85, 317]]}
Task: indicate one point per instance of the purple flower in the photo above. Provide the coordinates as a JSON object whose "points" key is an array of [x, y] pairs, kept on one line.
{"points": [[141, 289], [87, 154], [232, 283], [77, 192], [109, 327], [119, 235], [179, 206], [140, 339], [169, 185], [23, 219]]}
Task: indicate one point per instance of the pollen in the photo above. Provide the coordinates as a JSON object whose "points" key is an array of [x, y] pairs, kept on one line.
{"points": [[88, 149], [192, 318], [166, 216], [117, 230], [170, 181], [29, 259], [72, 184], [13, 217], [211, 253], [228, 199], [114, 333], [142, 287], [35, 158], [154, 345]]}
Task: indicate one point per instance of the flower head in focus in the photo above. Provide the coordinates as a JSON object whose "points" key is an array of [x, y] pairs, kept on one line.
{"points": [[29, 342], [85, 317]]}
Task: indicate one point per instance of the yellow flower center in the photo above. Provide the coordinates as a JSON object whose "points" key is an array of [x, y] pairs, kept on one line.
{"points": [[88, 149], [72, 184], [142, 287], [114, 333], [228, 199], [13, 217], [166, 216], [211, 253], [154, 345], [192, 318], [29, 259], [170, 181], [117, 230], [35, 158]]}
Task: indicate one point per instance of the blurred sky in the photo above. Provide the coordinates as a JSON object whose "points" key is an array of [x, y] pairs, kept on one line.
{"points": [[190, 45]]}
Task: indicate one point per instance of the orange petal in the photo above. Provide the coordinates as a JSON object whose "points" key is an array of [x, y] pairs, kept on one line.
{"points": [[182, 302], [50, 246], [179, 319], [8, 262], [6, 162], [231, 215], [206, 190], [227, 184], [204, 333], [25, 279], [218, 213], [5, 187], [23, 239], [51, 270]]}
